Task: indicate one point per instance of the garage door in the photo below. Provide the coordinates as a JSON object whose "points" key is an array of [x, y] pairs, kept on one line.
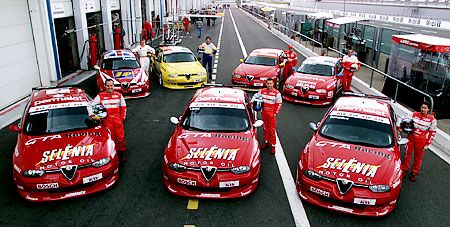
{"points": [[18, 63]]}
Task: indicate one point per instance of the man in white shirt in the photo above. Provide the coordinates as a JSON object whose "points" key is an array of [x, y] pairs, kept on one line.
{"points": [[144, 51], [209, 50]]}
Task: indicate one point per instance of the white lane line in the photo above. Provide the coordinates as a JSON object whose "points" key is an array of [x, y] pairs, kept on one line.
{"points": [[214, 71], [217, 57], [295, 203], [244, 51], [214, 76], [216, 60], [213, 82], [215, 66]]}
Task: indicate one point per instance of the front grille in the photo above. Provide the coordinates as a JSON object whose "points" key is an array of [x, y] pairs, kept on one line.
{"points": [[342, 203], [68, 189], [208, 189]]}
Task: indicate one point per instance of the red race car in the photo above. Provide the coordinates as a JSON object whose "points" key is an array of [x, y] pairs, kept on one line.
{"points": [[260, 65], [123, 67], [214, 152], [60, 152], [315, 82], [352, 163]]}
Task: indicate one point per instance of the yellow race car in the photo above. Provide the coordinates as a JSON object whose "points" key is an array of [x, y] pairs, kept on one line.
{"points": [[178, 68]]}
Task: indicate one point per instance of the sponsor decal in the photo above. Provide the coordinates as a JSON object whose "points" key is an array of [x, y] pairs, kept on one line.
{"points": [[47, 186], [229, 184], [398, 164], [20, 187], [246, 193], [92, 178], [187, 182], [196, 105], [306, 84], [35, 109], [341, 208], [219, 98], [393, 202], [235, 137], [255, 180], [350, 166], [82, 134], [123, 74], [395, 184], [195, 135], [360, 116], [72, 194], [330, 94], [212, 153], [361, 109], [109, 185], [57, 91], [17, 168], [31, 198], [319, 191], [43, 139], [59, 99], [370, 202], [209, 195], [332, 144], [255, 163], [68, 152], [375, 152]]}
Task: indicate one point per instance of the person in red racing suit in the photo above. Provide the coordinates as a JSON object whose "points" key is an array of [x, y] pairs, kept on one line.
{"points": [[424, 130], [289, 63], [116, 113], [350, 65], [272, 105]]}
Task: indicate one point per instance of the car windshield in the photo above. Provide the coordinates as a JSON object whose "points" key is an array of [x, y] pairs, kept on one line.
{"points": [[358, 131], [259, 60], [119, 63], [316, 69], [216, 119], [179, 57], [57, 120]]}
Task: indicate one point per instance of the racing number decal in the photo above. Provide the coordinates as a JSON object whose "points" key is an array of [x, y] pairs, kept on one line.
{"points": [[123, 74]]}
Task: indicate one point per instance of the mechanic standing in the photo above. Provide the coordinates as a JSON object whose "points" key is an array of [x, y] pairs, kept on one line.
{"points": [[209, 50], [350, 65], [144, 51], [186, 23], [116, 110], [199, 25], [424, 131], [271, 107], [290, 62]]}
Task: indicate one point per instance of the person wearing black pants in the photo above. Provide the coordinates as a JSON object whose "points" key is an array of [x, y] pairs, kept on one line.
{"points": [[209, 50]]}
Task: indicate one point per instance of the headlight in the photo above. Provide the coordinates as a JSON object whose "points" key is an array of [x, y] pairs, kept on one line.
{"points": [[312, 175], [237, 76], [100, 162], [33, 173], [321, 91], [289, 86], [240, 169], [140, 83], [379, 188], [173, 75], [202, 74], [263, 78], [177, 167]]}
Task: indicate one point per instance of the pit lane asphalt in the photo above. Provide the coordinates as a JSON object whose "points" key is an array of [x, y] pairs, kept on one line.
{"points": [[139, 197]]}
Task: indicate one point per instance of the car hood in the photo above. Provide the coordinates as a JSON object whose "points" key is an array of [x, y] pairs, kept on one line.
{"points": [[123, 75], [68, 148], [361, 164], [222, 150], [312, 81], [184, 67], [257, 70]]}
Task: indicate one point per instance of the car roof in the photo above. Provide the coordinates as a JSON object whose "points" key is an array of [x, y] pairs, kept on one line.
{"points": [[266, 52], [220, 95], [175, 49], [363, 105], [331, 61], [71, 96], [118, 54]]}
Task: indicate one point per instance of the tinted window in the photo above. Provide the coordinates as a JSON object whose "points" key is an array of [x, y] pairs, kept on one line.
{"points": [[259, 60], [316, 69], [57, 120], [216, 119], [179, 57], [357, 131], [115, 64]]}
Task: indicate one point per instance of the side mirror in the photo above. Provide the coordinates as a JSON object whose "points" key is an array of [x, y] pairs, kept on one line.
{"points": [[313, 126], [14, 128], [174, 120], [96, 67], [241, 60], [403, 141], [258, 123]]}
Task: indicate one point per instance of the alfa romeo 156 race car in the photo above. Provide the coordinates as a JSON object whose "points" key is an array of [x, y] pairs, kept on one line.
{"points": [[260, 65], [125, 70], [60, 152], [214, 151], [352, 162], [315, 82], [178, 68]]}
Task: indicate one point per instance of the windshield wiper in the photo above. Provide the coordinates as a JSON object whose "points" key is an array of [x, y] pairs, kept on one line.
{"points": [[196, 129]]}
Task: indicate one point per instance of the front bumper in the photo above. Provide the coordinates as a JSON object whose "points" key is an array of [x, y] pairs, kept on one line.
{"points": [[222, 186], [134, 91], [325, 194], [27, 187], [184, 83], [309, 97], [255, 83]]}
